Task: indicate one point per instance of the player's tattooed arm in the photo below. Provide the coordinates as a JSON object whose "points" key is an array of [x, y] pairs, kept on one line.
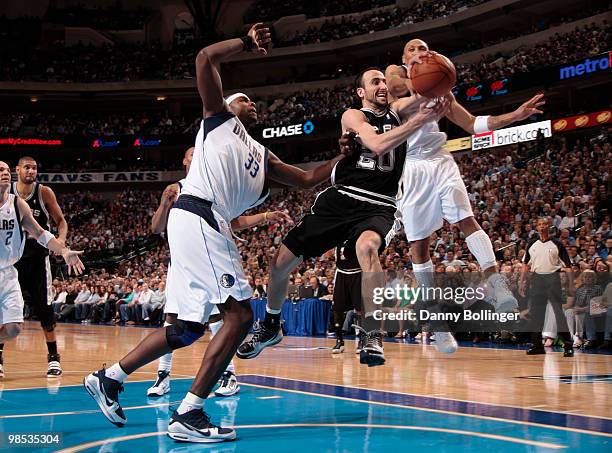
{"points": [[36, 231], [291, 175], [208, 60], [160, 218], [55, 212], [397, 82]]}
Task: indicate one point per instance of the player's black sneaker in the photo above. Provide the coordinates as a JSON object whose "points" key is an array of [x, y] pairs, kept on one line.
{"points": [[372, 353], [105, 391], [338, 347], [54, 368], [195, 426], [262, 338], [361, 338], [536, 350]]}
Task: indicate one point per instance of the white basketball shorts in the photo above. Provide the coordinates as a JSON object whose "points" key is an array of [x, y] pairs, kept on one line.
{"points": [[206, 267], [432, 190], [11, 300]]}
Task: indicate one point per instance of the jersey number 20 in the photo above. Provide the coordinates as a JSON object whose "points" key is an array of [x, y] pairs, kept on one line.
{"points": [[369, 161]]}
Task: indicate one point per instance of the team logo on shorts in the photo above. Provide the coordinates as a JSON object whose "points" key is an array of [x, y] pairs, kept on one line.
{"points": [[227, 280]]}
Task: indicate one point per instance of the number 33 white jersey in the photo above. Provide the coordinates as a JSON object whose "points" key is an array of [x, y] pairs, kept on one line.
{"points": [[229, 167]]}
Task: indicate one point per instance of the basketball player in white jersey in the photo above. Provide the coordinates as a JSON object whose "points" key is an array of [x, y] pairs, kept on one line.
{"points": [[15, 217], [228, 385], [34, 267], [432, 189], [228, 176]]}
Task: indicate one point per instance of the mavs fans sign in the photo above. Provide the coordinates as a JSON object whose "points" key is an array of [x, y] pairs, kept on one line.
{"points": [[287, 131]]}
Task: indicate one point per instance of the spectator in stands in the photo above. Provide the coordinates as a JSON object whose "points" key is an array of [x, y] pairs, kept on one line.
{"points": [[81, 301], [152, 300], [60, 298], [67, 310], [318, 290]]}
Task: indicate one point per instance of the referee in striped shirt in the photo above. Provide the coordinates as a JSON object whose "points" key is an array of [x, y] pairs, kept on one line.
{"points": [[541, 265]]}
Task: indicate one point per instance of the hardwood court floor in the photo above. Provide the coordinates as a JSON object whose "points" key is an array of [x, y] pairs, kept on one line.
{"points": [[501, 377]]}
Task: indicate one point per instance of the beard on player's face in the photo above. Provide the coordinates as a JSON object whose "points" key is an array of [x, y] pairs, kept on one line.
{"points": [[378, 97], [245, 111]]}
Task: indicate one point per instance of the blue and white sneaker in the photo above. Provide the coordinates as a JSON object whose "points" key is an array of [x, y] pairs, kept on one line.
{"points": [[162, 384], [105, 391], [195, 426], [262, 338], [228, 385]]}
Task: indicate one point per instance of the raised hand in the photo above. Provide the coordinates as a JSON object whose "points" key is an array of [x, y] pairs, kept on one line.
{"points": [[531, 107], [71, 257], [260, 34], [170, 194]]}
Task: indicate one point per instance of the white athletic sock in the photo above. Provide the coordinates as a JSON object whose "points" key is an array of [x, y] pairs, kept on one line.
{"points": [[214, 328], [480, 246], [116, 372], [190, 402], [424, 274], [165, 361], [272, 311]]}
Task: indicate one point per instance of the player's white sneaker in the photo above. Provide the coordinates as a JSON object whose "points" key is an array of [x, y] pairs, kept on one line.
{"points": [[195, 426], [162, 384], [228, 385], [445, 342], [105, 391], [503, 299]]}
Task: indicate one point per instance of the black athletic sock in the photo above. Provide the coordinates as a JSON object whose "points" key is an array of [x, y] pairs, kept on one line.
{"points": [[52, 347], [272, 320], [1, 350]]}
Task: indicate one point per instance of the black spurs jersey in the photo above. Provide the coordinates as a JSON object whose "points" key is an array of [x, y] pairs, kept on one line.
{"points": [[346, 259], [364, 175], [39, 211]]}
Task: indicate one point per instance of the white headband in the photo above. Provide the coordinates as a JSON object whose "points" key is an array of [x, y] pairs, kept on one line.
{"points": [[235, 96]]}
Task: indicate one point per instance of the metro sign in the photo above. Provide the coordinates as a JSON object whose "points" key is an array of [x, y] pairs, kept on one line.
{"points": [[586, 67]]}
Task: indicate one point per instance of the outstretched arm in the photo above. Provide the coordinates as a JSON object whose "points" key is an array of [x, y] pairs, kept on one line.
{"points": [[465, 120], [291, 175], [46, 239], [209, 58], [249, 221], [160, 218]]}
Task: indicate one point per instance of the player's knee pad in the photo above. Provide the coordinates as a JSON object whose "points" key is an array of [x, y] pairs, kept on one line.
{"points": [[183, 333]]}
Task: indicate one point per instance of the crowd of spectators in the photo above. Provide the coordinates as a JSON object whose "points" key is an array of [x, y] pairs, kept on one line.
{"points": [[582, 42], [108, 18], [324, 103], [20, 60], [334, 29], [565, 182], [264, 10]]}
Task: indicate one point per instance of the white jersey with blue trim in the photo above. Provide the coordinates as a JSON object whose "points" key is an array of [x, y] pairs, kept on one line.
{"points": [[12, 237], [426, 140], [229, 167]]}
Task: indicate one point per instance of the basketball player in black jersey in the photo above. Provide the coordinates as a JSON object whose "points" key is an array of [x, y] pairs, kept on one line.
{"points": [[34, 267], [347, 293], [360, 206]]}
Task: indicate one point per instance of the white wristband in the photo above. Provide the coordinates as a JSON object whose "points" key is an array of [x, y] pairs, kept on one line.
{"points": [[481, 124], [44, 238]]}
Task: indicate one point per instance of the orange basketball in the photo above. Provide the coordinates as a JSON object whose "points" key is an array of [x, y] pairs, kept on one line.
{"points": [[434, 77]]}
